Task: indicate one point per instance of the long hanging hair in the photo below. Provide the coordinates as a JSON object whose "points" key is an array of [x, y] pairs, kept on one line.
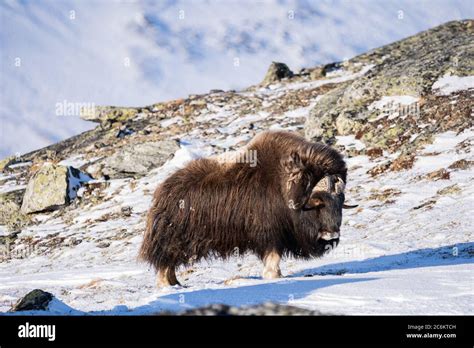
{"points": [[210, 208]]}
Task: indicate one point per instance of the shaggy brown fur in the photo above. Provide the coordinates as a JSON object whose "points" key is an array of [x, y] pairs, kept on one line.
{"points": [[212, 209]]}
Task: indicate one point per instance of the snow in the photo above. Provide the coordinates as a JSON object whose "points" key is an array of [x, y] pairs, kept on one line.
{"points": [[20, 165], [395, 106], [235, 125], [218, 114], [3, 231], [216, 45], [190, 149], [397, 100], [10, 186], [342, 77], [171, 121], [349, 141], [392, 259], [450, 84], [299, 112], [447, 140], [76, 161], [75, 182]]}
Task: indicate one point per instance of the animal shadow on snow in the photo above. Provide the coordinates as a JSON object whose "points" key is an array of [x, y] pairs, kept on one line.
{"points": [[282, 291], [461, 253], [289, 288]]}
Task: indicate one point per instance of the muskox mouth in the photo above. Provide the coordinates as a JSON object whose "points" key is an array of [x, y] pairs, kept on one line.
{"points": [[326, 235]]}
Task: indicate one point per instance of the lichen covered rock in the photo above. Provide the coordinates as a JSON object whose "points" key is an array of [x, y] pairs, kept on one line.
{"points": [[51, 187], [103, 114], [276, 72], [4, 163], [10, 214], [136, 160], [407, 69]]}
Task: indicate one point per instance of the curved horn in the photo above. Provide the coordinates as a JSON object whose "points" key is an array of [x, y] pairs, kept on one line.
{"points": [[331, 184], [347, 206], [339, 186], [323, 185]]}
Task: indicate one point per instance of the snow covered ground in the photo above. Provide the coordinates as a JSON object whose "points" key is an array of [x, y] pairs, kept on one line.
{"points": [[407, 249]]}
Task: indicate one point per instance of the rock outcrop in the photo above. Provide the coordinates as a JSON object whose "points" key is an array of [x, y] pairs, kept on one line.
{"points": [[408, 68], [138, 160], [51, 187], [108, 114], [10, 213], [276, 72]]}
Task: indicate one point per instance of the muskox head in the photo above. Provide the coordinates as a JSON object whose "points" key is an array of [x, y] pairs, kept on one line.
{"points": [[325, 204], [319, 203]]}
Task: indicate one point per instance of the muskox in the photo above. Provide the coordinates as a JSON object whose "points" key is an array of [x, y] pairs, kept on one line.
{"points": [[287, 203]]}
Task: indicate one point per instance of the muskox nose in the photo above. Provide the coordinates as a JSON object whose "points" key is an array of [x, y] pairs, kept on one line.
{"points": [[326, 235]]}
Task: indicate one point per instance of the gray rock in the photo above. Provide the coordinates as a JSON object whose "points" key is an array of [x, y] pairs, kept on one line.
{"points": [[450, 190], [104, 114], [15, 196], [137, 160], [276, 72], [346, 125], [10, 214], [320, 125], [406, 67], [51, 187], [34, 300], [4, 163], [260, 309]]}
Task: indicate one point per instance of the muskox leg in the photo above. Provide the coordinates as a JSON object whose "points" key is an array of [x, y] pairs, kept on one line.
{"points": [[167, 277], [271, 265]]}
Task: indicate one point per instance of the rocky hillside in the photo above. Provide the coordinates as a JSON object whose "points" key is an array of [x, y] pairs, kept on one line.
{"points": [[72, 214]]}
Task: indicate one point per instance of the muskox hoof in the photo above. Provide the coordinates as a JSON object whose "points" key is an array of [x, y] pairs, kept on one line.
{"points": [[165, 283], [167, 277], [271, 274]]}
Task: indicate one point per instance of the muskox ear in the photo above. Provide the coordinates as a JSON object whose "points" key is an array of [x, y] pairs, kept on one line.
{"points": [[314, 202]]}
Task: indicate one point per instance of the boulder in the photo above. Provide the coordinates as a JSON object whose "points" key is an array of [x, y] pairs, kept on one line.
{"points": [[51, 187], [276, 72], [10, 214], [136, 160], [320, 123], [34, 300], [4, 163], [104, 114]]}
